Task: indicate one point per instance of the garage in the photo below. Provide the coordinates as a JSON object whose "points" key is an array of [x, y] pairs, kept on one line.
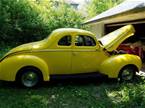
{"points": [[128, 12]]}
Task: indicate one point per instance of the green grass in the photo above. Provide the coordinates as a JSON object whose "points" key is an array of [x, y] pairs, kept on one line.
{"points": [[95, 94], [74, 94]]}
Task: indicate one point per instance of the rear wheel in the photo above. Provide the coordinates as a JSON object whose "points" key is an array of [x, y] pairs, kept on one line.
{"points": [[29, 77], [127, 73]]}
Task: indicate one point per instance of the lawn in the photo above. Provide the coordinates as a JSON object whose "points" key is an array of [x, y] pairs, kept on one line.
{"points": [[85, 93]]}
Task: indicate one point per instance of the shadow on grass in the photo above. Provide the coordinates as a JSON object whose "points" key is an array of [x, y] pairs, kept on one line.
{"points": [[74, 82], [64, 82], [74, 93]]}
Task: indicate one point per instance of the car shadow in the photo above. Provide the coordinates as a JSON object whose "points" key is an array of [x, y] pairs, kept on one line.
{"points": [[75, 91], [63, 82], [73, 82]]}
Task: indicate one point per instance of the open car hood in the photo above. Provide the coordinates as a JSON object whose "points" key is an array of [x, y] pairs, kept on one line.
{"points": [[112, 40]]}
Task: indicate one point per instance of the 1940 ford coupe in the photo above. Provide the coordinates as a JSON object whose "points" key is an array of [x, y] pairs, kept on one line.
{"points": [[70, 51]]}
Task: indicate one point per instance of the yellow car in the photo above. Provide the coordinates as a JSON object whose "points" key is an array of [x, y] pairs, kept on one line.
{"points": [[70, 51]]}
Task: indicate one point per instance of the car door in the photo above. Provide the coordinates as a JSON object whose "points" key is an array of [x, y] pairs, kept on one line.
{"points": [[86, 56], [59, 57]]}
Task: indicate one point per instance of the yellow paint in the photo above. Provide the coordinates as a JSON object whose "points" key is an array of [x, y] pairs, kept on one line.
{"points": [[114, 64], [53, 59], [114, 39]]}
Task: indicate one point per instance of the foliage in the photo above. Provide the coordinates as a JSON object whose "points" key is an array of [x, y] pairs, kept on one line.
{"points": [[4, 49], [30, 20], [98, 6]]}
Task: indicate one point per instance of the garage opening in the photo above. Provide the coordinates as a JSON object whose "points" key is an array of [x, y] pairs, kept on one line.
{"points": [[135, 44]]}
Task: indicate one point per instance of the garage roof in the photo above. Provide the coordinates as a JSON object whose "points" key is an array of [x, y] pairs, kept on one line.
{"points": [[128, 10]]}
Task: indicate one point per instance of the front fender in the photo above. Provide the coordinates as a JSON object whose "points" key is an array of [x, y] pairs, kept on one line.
{"points": [[114, 64], [12, 64]]}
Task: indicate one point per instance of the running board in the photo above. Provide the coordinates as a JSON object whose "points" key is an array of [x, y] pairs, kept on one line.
{"points": [[79, 76]]}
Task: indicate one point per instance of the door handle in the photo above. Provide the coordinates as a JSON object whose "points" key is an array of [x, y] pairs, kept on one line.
{"points": [[74, 53]]}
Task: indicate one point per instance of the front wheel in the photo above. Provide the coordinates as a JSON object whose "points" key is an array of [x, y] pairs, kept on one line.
{"points": [[29, 77], [127, 74]]}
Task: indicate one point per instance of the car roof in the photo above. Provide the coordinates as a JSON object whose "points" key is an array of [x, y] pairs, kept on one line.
{"points": [[72, 30]]}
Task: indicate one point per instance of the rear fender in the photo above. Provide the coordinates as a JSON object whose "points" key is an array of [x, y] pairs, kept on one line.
{"points": [[114, 64], [12, 64]]}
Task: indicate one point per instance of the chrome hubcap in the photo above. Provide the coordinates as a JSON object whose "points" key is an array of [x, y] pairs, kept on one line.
{"points": [[127, 75], [29, 79]]}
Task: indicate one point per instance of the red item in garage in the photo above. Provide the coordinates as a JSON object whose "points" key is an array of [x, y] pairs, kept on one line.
{"points": [[127, 49]]}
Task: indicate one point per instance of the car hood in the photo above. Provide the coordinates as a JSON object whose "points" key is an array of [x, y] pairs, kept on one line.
{"points": [[112, 40]]}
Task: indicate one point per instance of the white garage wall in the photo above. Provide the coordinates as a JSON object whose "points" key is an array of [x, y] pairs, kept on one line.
{"points": [[97, 29]]}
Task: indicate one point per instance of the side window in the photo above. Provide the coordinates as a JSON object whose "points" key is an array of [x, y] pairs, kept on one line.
{"points": [[89, 41], [65, 41], [80, 41], [84, 41]]}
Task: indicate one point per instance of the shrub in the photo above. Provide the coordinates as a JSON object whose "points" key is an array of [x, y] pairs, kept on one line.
{"points": [[29, 20]]}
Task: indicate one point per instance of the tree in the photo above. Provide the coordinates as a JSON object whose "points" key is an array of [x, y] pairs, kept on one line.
{"points": [[98, 6], [30, 20]]}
